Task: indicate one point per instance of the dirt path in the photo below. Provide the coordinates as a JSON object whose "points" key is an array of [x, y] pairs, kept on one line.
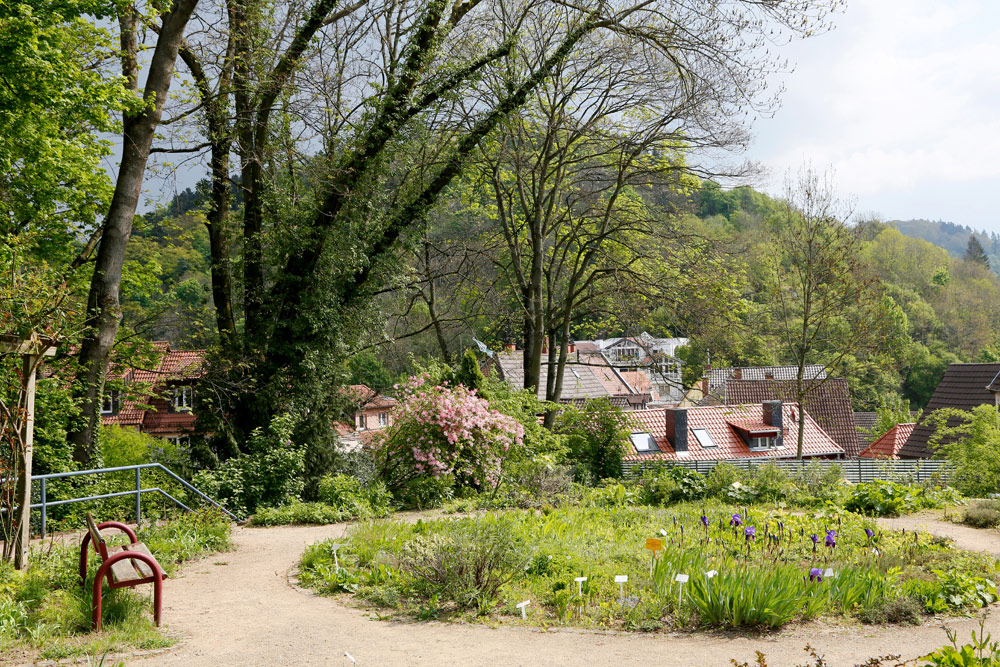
{"points": [[970, 539], [240, 609]]}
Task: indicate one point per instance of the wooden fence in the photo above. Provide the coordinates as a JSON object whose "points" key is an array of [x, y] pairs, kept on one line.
{"points": [[854, 470]]}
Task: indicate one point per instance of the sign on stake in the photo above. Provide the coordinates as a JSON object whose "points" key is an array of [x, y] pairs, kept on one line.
{"points": [[681, 579], [521, 606], [620, 579], [579, 585], [335, 548]]}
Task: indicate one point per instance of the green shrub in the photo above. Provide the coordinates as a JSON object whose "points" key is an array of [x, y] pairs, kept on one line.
{"points": [[657, 487], [270, 474], [771, 483], [904, 610], [355, 499], [468, 563], [882, 498], [982, 514], [720, 479], [597, 436], [299, 513]]}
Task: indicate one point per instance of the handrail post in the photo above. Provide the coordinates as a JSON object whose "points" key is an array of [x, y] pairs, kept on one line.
{"points": [[138, 497], [43, 507]]}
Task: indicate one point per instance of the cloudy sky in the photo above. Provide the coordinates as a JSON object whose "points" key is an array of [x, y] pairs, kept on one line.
{"points": [[902, 100]]}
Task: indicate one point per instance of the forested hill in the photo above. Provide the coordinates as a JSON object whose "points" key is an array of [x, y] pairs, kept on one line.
{"points": [[953, 238]]}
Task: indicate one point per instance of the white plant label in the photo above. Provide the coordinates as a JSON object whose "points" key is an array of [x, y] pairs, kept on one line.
{"points": [[829, 574], [521, 606], [350, 657], [711, 573], [621, 578], [579, 585], [682, 578], [663, 532]]}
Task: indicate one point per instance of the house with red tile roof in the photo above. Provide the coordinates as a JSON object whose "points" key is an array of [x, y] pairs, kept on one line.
{"points": [[158, 400], [372, 412], [828, 401], [888, 446], [713, 432]]}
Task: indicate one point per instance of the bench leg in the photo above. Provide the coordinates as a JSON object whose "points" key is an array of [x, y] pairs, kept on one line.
{"points": [[95, 623], [157, 598]]}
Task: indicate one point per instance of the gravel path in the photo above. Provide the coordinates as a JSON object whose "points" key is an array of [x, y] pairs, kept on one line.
{"points": [[239, 608]]}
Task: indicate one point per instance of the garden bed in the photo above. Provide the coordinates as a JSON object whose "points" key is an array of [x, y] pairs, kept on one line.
{"points": [[771, 568]]}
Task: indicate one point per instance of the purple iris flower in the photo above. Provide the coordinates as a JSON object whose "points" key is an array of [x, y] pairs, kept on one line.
{"points": [[750, 533], [870, 533], [737, 520], [831, 538], [704, 521], [816, 574], [814, 537]]}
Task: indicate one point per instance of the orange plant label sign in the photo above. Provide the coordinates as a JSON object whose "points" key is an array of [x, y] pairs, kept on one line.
{"points": [[654, 544]]}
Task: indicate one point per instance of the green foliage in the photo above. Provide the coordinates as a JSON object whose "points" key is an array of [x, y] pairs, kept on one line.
{"points": [[354, 498], [270, 474], [970, 440], [882, 498], [982, 651], [299, 513], [596, 435]]}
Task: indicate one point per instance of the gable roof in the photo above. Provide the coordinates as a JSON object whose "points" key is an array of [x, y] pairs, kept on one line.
{"points": [[964, 386], [717, 377], [723, 423], [865, 422], [829, 403], [587, 377], [888, 446], [172, 366]]}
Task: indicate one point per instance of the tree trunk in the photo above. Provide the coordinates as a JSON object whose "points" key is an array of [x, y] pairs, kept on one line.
{"points": [[103, 305]]}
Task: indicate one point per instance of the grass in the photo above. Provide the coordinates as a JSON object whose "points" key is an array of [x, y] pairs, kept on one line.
{"points": [[433, 569], [45, 609]]}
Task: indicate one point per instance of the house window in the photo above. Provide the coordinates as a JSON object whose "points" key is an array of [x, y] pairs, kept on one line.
{"points": [[383, 419], [704, 438], [110, 402], [362, 421], [183, 399], [180, 440], [643, 442], [761, 444]]}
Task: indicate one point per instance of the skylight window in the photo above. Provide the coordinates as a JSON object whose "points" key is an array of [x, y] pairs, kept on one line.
{"points": [[643, 442], [704, 438]]}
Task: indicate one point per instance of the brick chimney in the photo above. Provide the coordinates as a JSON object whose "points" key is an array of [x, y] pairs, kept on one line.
{"points": [[510, 347], [571, 349], [774, 416], [677, 428], [737, 373]]}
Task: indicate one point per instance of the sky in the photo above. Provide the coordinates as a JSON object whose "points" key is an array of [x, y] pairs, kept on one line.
{"points": [[902, 102]]}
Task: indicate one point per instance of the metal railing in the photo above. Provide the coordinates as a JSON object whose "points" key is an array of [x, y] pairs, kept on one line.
{"points": [[137, 492]]}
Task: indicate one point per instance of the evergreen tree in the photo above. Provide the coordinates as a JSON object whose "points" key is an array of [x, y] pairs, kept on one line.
{"points": [[974, 252]]}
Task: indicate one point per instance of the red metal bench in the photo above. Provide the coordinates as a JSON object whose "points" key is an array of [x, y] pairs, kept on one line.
{"points": [[124, 567]]}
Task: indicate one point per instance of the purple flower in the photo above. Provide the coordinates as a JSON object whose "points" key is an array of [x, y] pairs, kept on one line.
{"points": [[814, 537], [704, 521], [750, 533], [831, 538], [815, 574], [737, 520], [870, 533]]}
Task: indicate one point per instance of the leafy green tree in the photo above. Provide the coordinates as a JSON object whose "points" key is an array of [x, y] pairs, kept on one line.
{"points": [[597, 437], [970, 440]]}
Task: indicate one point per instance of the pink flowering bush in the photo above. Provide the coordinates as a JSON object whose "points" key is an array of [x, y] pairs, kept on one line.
{"points": [[444, 432]]}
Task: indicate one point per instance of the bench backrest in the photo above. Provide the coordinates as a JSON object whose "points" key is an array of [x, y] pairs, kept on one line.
{"points": [[95, 536]]}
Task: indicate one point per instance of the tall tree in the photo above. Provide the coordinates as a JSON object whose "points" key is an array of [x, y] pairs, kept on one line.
{"points": [[974, 252], [139, 126], [826, 304]]}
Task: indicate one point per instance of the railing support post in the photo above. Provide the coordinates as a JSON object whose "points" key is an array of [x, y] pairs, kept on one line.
{"points": [[138, 497], [43, 507]]}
